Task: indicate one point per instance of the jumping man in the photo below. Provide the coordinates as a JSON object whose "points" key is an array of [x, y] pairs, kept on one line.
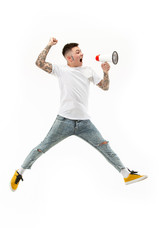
{"points": [[73, 118]]}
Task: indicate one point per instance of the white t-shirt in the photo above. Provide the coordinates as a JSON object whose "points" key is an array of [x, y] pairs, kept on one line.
{"points": [[74, 90]]}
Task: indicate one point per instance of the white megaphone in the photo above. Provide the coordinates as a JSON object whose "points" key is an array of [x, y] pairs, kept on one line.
{"points": [[108, 57]]}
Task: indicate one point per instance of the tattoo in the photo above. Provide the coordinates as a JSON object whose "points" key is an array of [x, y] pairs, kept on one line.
{"points": [[41, 63], [104, 83]]}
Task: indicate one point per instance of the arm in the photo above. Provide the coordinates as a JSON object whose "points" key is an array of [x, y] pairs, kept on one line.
{"points": [[104, 83], [41, 60]]}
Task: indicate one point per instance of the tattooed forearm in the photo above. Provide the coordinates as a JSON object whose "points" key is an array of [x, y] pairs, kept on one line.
{"points": [[41, 63], [104, 83]]}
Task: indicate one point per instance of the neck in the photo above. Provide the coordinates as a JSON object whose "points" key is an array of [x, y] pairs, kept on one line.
{"points": [[70, 65]]}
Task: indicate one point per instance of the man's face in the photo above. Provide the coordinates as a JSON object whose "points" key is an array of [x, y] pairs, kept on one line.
{"points": [[76, 57]]}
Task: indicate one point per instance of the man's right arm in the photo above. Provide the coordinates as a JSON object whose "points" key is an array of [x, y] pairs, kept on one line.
{"points": [[41, 60]]}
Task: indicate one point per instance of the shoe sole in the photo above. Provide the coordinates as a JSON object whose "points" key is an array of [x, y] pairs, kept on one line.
{"points": [[11, 187], [136, 180]]}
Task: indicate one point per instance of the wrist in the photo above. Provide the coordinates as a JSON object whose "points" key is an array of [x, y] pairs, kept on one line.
{"points": [[49, 45]]}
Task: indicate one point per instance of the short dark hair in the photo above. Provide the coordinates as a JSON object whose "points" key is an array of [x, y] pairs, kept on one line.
{"points": [[68, 47]]}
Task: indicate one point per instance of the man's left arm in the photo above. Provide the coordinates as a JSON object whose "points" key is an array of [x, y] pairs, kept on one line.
{"points": [[104, 83]]}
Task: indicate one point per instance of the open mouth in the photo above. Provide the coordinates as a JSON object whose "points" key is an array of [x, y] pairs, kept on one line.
{"points": [[81, 60]]}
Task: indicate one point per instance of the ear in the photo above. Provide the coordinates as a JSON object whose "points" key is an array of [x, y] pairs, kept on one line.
{"points": [[68, 58]]}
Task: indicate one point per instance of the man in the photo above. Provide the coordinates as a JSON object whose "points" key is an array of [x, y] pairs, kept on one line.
{"points": [[73, 118]]}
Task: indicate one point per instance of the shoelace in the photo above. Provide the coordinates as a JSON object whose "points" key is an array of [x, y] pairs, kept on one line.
{"points": [[19, 177], [132, 172]]}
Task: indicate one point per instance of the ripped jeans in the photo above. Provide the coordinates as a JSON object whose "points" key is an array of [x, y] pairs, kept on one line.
{"points": [[63, 128]]}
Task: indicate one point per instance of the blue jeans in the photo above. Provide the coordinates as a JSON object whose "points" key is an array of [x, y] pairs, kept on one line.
{"points": [[63, 128]]}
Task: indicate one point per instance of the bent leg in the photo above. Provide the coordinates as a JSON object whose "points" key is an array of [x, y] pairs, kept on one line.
{"points": [[89, 133], [60, 130]]}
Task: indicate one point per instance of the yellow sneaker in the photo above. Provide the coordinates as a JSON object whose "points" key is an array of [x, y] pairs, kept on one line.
{"points": [[15, 181], [134, 177]]}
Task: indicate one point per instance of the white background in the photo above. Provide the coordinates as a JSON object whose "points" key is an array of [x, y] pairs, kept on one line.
{"points": [[72, 192]]}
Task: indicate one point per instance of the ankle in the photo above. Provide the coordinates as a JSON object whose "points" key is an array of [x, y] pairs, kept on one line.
{"points": [[21, 170], [125, 173]]}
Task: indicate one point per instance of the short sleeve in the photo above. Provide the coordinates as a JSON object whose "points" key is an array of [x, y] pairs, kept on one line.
{"points": [[95, 78], [56, 70]]}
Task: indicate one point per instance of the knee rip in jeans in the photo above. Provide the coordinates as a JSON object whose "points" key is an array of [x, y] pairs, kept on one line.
{"points": [[102, 143], [39, 150]]}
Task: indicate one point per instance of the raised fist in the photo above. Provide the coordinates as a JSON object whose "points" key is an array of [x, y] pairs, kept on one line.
{"points": [[53, 41]]}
